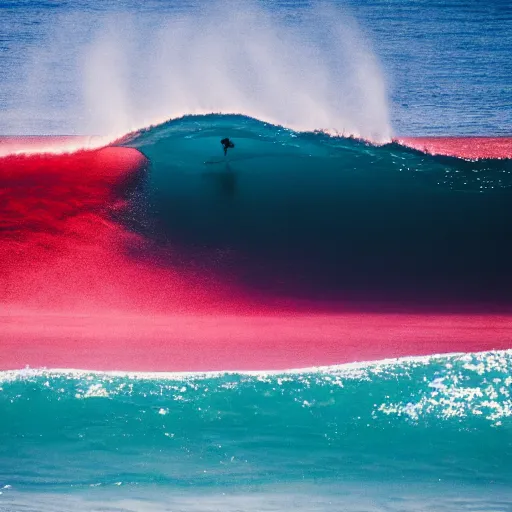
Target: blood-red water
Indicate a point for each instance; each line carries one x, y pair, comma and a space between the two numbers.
464, 147
73, 295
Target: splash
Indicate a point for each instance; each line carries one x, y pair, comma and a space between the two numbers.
39, 145
316, 71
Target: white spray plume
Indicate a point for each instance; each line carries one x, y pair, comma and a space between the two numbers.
307, 71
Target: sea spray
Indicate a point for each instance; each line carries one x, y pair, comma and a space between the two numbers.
123, 72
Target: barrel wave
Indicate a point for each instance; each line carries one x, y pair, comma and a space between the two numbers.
160, 241
312, 216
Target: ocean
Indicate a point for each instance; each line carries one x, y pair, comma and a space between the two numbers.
318, 320
422, 67
418, 434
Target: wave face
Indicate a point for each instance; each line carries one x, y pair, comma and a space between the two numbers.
387, 434
286, 225
313, 216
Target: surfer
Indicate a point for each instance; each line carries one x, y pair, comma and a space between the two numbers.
226, 143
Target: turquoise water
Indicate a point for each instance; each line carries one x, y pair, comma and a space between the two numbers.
388, 432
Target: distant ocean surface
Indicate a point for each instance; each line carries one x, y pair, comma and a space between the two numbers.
446, 64
318, 218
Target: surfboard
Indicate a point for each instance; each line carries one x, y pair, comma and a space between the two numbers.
207, 162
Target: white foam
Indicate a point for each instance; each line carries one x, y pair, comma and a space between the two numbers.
351, 496
51, 145
347, 369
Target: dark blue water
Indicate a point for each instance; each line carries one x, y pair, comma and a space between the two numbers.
310, 216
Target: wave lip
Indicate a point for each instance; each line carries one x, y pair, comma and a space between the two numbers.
472, 147
352, 370
51, 144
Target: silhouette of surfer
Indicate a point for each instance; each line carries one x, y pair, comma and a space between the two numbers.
226, 143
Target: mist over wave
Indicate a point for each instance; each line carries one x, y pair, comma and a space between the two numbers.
315, 71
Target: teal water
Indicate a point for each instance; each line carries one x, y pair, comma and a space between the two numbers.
388, 431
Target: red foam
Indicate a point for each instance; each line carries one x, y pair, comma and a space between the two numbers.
61, 251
